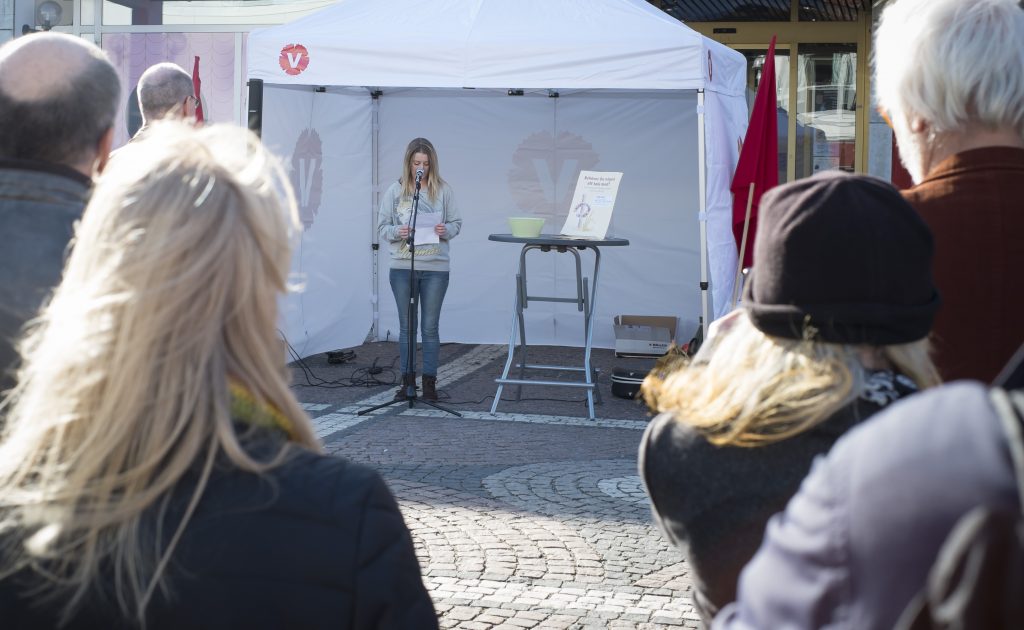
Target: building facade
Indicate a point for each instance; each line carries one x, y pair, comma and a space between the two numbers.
827, 119
826, 116
139, 33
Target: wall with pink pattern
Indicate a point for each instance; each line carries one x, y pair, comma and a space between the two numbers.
132, 53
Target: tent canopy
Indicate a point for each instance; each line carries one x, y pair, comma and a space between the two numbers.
568, 44
628, 79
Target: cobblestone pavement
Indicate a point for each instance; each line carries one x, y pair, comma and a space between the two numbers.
521, 519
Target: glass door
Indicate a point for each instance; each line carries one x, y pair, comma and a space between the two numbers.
826, 112
822, 81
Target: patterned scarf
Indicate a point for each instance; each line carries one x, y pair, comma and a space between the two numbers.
247, 408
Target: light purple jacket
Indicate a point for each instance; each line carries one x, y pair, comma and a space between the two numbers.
855, 544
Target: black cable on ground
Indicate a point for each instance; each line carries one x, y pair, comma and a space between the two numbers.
372, 376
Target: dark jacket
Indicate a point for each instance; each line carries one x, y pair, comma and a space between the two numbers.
856, 542
39, 204
974, 204
316, 543
713, 502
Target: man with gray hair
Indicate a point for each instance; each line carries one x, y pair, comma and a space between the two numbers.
58, 101
166, 91
950, 78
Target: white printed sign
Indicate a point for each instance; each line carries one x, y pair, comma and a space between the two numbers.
590, 212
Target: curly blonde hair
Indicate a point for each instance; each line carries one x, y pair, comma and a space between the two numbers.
746, 388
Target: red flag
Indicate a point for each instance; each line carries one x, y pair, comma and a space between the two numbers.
198, 93
759, 158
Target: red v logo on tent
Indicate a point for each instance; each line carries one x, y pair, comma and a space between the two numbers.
294, 59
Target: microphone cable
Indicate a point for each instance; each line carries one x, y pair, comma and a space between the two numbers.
362, 376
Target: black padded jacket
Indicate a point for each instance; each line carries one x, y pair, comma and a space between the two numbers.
318, 542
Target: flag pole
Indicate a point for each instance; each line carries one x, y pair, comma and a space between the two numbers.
196, 89
743, 249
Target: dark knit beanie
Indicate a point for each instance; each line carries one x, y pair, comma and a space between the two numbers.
845, 255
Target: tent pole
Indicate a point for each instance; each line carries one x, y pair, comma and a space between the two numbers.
374, 204
703, 214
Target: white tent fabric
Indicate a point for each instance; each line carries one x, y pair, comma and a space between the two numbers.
558, 44
325, 303
725, 119
627, 79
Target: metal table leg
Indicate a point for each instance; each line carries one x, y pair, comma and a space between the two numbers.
585, 300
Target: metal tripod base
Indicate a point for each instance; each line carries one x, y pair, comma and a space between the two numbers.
412, 399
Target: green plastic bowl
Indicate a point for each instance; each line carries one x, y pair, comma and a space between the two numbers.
525, 227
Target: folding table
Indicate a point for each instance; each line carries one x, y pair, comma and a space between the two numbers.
585, 299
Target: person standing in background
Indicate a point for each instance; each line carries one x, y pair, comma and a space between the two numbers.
432, 259
950, 79
166, 92
58, 101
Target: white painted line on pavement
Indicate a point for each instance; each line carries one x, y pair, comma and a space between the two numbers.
332, 422
575, 421
345, 417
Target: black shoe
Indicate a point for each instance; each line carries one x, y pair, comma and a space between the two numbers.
429, 387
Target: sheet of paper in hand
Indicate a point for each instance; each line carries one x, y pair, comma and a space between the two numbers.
425, 222
590, 212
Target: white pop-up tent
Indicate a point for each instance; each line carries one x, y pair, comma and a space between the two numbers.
517, 97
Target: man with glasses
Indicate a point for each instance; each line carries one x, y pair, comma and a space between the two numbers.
165, 91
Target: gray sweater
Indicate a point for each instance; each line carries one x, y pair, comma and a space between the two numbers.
395, 211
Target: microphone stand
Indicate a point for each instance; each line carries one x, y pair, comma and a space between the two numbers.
409, 377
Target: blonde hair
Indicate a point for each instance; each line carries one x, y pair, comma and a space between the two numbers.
432, 181
746, 388
171, 288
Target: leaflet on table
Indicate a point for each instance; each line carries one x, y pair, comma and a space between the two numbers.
425, 222
590, 212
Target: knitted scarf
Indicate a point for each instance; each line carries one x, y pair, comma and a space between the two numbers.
247, 408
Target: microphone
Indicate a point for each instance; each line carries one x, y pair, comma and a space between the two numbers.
419, 175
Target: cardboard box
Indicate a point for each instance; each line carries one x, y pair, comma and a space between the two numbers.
643, 335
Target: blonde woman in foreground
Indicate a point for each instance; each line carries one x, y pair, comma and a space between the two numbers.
155, 470
833, 329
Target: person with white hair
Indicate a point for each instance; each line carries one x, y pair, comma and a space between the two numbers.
166, 91
58, 101
156, 470
950, 79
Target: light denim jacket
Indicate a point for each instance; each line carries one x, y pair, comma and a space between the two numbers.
39, 205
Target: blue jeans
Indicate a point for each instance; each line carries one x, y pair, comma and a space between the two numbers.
431, 287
